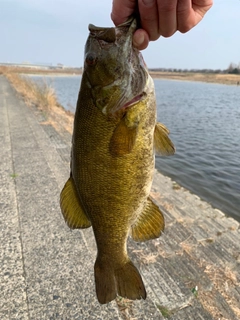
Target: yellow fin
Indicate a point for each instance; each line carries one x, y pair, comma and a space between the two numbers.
163, 127
129, 282
149, 224
162, 143
125, 281
123, 139
71, 207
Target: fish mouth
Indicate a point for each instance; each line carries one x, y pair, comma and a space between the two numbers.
123, 85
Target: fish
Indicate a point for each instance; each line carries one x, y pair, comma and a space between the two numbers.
115, 139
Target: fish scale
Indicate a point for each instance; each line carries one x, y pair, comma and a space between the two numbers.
112, 161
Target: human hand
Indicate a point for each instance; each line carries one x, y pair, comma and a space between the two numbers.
160, 17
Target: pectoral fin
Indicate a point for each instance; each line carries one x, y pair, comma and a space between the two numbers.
123, 139
162, 143
71, 207
149, 224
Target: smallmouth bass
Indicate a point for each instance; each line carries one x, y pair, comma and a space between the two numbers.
115, 137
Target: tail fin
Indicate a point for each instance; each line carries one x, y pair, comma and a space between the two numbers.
129, 282
124, 281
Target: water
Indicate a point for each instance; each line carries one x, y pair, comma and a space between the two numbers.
204, 120
66, 88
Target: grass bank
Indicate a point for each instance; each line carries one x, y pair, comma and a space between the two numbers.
44, 98
221, 78
43, 71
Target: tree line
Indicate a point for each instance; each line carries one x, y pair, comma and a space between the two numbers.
233, 68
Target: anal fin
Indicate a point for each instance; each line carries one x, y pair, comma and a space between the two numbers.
71, 207
150, 223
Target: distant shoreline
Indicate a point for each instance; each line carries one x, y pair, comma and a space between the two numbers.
220, 78
36, 74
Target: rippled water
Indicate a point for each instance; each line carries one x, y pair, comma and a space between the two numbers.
204, 120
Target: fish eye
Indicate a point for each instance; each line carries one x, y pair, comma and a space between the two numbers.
91, 59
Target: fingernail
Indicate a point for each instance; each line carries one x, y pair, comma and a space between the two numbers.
138, 39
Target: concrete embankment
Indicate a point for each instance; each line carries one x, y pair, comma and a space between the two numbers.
191, 272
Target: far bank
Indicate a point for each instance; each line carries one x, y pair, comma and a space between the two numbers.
221, 78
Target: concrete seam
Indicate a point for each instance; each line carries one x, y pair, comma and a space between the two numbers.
19, 220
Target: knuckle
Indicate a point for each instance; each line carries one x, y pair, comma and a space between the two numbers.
167, 7
184, 29
167, 33
154, 37
185, 26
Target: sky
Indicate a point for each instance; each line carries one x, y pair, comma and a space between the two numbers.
55, 31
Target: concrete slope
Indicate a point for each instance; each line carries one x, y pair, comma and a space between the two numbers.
191, 272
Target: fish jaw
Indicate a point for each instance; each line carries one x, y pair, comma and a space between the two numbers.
115, 70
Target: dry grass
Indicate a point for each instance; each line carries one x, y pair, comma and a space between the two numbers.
224, 280
125, 308
41, 95
145, 258
44, 98
202, 77
166, 205
30, 70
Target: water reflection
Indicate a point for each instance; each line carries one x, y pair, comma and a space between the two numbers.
204, 120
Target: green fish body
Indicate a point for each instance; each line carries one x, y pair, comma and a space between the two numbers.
112, 162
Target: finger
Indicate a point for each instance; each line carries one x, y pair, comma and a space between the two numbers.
122, 9
149, 17
140, 39
185, 15
190, 13
167, 12
200, 7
